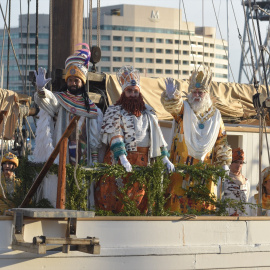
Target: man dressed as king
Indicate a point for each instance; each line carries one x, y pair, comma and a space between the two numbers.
198, 135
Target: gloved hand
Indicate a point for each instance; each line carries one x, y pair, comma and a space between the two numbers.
226, 168
170, 87
125, 163
169, 165
41, 80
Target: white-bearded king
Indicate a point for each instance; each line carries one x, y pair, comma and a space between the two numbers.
199, 134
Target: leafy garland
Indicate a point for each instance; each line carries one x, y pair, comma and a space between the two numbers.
154, 178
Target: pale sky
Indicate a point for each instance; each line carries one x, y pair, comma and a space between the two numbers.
194, 12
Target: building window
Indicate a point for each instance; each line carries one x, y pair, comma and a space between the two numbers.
105, 48
105, 69
117, 48
185, 62
185, 52
176, 62
185, 42
169, 41
139, 49
168, 51
128, 59
139, 39
220, 56
211, 45
221, 66
149, 60
150, 70
149, 40
177, 41
177, 72
94, 37
177, 52
128, 39
168, 61
159, 61
128, 49
206, 44
105, 58
138, 60
159, 51
185, 72
115, 69
219, 75
117, 59
149, 50
117, 38
141, 70
159, 40
168, 71
159, 71
103, 37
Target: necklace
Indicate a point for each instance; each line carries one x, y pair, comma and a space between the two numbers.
202, 118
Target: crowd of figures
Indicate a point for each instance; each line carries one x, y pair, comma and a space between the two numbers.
129, 134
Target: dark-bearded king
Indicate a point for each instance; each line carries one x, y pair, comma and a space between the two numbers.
130, 128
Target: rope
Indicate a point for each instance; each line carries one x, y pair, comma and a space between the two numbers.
3, 43
31, 131
90, 23
2, 140
12, 46
98, 23
8, 52
267, 145
77, 154
188, 31
203, 26
36, 58
222, 40
24, 85
50, 40
179, 38
27, 41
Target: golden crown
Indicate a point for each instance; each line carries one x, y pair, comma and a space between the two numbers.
127, 75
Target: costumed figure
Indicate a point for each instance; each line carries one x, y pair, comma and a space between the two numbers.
198, 135
236, 187
9, 182
265, 195
131, 129
57, 110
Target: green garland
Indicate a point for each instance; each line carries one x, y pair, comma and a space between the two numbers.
153, 178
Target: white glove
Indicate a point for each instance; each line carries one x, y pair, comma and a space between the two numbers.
170, 87
169, 165
226, 168
125, 163
41, 80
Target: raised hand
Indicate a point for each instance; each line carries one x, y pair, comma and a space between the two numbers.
169, 165
41, 80
125, 163
170, 87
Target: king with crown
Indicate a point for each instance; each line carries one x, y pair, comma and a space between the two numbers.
199, 134
130, 129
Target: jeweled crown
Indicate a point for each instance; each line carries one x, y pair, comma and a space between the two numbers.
127, 75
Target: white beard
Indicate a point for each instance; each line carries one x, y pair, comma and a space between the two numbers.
200, 106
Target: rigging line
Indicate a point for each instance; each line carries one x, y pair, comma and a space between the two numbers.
251, 54
36, 57
222, 40
3, 44
12, 44
266, 138
27, 42
90, 23
24, 86
50, 40
98, 23
264, 11
203, 26
179, 38
8, 52
240, 37
228, 38
188, 33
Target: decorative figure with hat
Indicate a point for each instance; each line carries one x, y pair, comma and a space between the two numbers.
198, 134
9, 182
71, 100
236, 187
130, 128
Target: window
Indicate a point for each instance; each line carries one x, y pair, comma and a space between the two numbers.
177, 41
105, 69
149, 50
128, 59
139, 49
159, 61
128, 39
94, 37
139, 39
185, 62
150, 70
159, 40
206, 44
220, 56
169, 41
159, 71
117, 48
117, 38
200, 43
115, 69
177, 72
185, 72
128, 49
185, 52
105, 58
218, 75
176, 62
168, 71
138, 60
168, 51
141, 70
149, 40
211, 45
185, 42
168, 61
105, 48
103, 37
159, 51
221, 66
177, 52
117, 59
149, 60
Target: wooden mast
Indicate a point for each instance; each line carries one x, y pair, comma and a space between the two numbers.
67, 30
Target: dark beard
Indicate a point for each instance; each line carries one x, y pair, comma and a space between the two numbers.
132, 105
74, 90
